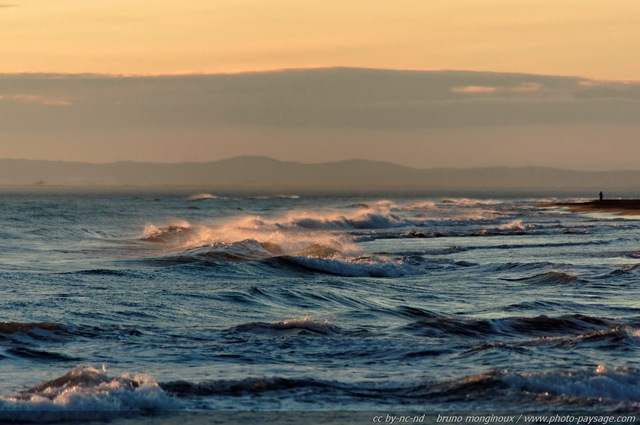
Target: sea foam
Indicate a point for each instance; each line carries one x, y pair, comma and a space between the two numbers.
87, 389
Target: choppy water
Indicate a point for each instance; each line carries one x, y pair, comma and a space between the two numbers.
151, 302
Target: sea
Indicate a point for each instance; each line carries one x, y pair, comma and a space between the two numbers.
183, 306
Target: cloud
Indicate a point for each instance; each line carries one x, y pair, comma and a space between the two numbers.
334, 98
38, 99
474, 89
524, 87
527, 88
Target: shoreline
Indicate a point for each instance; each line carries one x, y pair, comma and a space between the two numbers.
618, 206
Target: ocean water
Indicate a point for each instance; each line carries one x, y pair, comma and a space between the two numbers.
152, 303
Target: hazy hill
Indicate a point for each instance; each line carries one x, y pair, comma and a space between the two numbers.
248, 172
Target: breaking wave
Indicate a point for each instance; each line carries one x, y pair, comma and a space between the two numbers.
586, 387
515, 227
298, 224
312, 259
86, 389
187, 236
247, 250
201, 196
356, 267
473, 202
306, 325
599, 387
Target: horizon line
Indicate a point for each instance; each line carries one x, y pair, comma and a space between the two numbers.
373, 161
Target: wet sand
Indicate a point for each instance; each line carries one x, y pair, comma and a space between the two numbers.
619, 206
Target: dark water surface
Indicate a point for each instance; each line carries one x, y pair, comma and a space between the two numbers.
152, 302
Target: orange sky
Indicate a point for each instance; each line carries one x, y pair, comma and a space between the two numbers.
589, 38
421, 119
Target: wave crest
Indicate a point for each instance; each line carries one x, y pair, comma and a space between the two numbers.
356, 267
201, 196
543, 326
31, 329
307, 325
552, 277
86, 389
597, 387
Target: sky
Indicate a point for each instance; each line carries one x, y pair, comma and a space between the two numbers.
543, 82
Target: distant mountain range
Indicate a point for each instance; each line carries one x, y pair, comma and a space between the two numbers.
251, 172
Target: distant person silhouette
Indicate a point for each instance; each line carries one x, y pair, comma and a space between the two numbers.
601, 196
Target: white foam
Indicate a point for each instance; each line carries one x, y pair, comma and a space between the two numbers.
85, 389
513, 225
200, 196
176, 224
358, 267
378, 216
616, 384
292, 232
423, 205
468, 201
308, 322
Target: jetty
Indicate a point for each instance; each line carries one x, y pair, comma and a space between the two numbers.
619, 206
